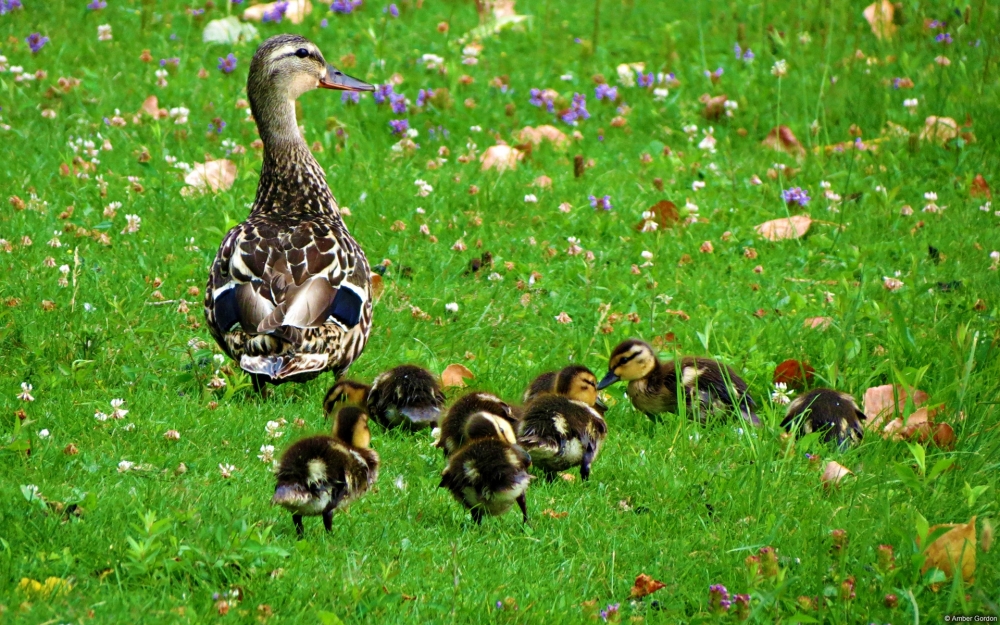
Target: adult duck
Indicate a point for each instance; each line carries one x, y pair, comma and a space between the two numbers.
289, 293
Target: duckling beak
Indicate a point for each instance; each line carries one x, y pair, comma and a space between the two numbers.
336, 79
608, 380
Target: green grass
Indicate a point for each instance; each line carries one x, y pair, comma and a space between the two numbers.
153, 545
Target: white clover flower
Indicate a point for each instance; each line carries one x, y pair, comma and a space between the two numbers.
273, 429
226, 470
423, 189
780, 68
647, 254
266, 454
451, 307
25, 394
697, 185
104, 32
132, 224
781, 394
43, 433
530, 198
125, 465
118, 413
660, 94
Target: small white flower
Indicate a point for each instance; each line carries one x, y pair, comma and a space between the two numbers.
697, 185
43, 434
132, 223
399, 482
64, 270
216, 382
266, 454
823, 184
125, 465
647, 254
161, 78
567, 77
930, 196
475, 129
423, 189
33, 491
780, 68
100, 416
987, 207
172, 435
412, 133
995, 255
660, 94
911, 105
226, 470
129, 427
494, 277
691, 130
104, 32
892, 284
451, 307
530, 198
87, 306
218, 358
565, 207
118, 413
666, 299
691, 208
25, 394
781, 394
273, 429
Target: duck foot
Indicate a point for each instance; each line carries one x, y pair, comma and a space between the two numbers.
259, 385
328, 518
522, 502
299, 530
477, 515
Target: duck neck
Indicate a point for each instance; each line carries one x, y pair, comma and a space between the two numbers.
291, 180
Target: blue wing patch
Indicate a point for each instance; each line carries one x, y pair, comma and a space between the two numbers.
226, 312
346, 307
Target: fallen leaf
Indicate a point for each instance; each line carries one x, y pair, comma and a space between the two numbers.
785, 228
378, 285
296, 11
546, 132
880, 15
500, 157
980, 188
817, 323
944, 436
454, 375
881, 403
918, 421
833, 473
664, 214
714, 106
549, 512
151, 106
939, 130
794, 374
214, 176
228, 31
986, 536
783, 139
954, 549
542, 182
645, 585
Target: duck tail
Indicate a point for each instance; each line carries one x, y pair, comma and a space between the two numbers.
286, 366
289, 495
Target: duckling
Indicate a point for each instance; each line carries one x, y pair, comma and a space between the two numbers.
824, 409
575, 382
453, 424
709, 386
289, 293
406, 395
320, 474
489, 473
559, 433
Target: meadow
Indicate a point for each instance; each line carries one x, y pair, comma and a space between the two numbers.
161, 514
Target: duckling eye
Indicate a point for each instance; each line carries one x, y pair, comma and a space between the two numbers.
302, 53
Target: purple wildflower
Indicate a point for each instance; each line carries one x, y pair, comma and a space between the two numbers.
196, 12
383, 93
97, 5
423, 95
737, 50
795, 195
399, 126
603, 203
236, 1
742, 606
323, 23
605, 92
173, 61
610, 611
666, 78
714, 76
392, 10
540, 98
227, 64
499, 605
276, 14
217, 126
344, 7
936, 24
36, 41
718, 599
645, 80
944, 38
350, 97
748, 56
398, 103
577, 111
6, 6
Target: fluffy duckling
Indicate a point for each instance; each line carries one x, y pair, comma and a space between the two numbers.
559, 433
320, 474
406, 395
490, 472
709, 386
453, 425
824, 409
575, 382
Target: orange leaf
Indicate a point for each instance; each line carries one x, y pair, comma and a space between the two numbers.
645, 585
939, 130
794, 374
833, 472
954, 549
378, 285
783, 139
785, 228
664, 213
714, 107
818, 323
944, 436
545, 132
881, 404
150, 106
455, 374
879, 15
500, 157
215, 176
980, 188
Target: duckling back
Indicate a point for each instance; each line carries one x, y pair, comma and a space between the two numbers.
559, 433
487, 476
829, 411
544, 383
453, 424
406, 395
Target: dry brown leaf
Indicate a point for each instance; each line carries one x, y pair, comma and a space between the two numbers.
542, 182
151, 106
818, 323
500, 157
944, 436
378, 285
880, 15
881, 404
794, 374
986, 536
535, 136
980, 188
833, 473
214, 176
296, 12
956, 548
645, 585
939, 130
783, 139
918, 424
665, 214
454, 375
714, 106
785, 228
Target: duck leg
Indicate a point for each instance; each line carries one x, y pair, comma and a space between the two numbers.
585, 462
259, 384
522, 502
477, 515
328, 517
299, 530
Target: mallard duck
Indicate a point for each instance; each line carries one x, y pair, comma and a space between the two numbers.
406, 395
489, 473
452, 434
709, 386
576, 382
320, 474
289, 293
559, 433
829, 411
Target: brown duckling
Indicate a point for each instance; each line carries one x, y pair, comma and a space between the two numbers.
575, 382
559, 433
829, 411
709, 386
320, 474
490, 472
453, 424
406, 395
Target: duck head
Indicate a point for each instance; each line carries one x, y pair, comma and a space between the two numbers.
348, 393
578, 383
351, 427
631, 360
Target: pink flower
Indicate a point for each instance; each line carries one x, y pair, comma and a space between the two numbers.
563, 318
892, 284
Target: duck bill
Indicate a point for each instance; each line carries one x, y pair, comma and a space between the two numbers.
338, 80
608, 380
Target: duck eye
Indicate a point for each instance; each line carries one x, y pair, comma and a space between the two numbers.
302, 53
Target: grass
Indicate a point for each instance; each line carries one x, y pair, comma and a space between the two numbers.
683, 503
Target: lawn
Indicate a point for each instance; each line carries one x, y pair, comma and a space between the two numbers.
162, 515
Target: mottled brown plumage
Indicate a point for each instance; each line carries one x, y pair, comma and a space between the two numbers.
828, 411
452, 435
407, 396
576, 382
289, 292
559, 433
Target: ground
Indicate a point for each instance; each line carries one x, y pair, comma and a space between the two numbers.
891, 284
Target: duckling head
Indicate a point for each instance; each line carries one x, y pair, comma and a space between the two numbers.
348, 393
578, 383
631, 360
351, 427
486, 425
